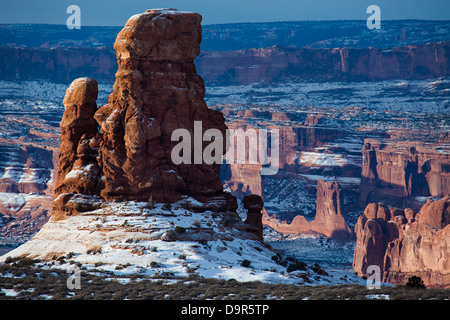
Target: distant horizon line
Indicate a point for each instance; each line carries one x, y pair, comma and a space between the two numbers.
230, 23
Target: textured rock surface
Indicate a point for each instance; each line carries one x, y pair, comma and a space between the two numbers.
157, 91
328, 221
254, 205
403, 170
268, 64
341, 64
404, 244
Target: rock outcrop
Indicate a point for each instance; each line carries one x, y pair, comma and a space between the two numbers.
254, 205
404, 243
122, 150
398, 171
268, 64
339, 64
328, 221
119, 198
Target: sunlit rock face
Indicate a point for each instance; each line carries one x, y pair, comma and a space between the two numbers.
123, 150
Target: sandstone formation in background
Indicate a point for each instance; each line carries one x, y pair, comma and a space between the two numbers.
397, 170
404, 243
329, 220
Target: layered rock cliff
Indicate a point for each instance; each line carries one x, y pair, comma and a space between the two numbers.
396, 171
403, 243
266, 65
342, 64
329, 220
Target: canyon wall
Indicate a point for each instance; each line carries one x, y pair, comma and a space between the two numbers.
341, 64
243, 66
397, 171
60, 65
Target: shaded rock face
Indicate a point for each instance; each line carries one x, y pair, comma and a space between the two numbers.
122, 150
341, 64
254, 205
402, 171
328, 221
403, 243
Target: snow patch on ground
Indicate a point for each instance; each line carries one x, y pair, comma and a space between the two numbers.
428, 95
127, 238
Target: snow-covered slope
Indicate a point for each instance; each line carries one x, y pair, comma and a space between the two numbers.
130, 237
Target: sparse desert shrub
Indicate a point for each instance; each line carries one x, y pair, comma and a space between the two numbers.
179, 229
245, 263
122, 266
94, 250
169, 235
154, 264
415, 282
318, 269
296, 265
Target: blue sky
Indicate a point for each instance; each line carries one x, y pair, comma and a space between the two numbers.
116, 12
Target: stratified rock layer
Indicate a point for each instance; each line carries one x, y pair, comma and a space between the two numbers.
400, 170
328, 221
157, 91
404, 244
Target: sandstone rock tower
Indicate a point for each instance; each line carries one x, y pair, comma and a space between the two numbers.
329, 219
122, 150
254, 205
403, 243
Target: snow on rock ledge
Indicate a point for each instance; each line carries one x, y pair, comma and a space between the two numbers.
131, 237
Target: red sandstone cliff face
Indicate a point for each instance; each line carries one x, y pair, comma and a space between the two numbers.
344, 64
328, 221
243, 66
404, 244
57, 65
157, 91
403, 170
